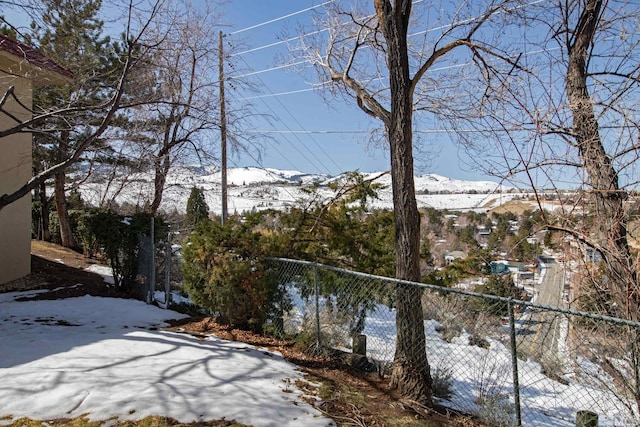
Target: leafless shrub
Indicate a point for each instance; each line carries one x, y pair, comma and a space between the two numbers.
491, 377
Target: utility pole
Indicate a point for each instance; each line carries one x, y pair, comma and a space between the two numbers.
223, 131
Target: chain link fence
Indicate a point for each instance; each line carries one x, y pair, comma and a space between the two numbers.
507, 361
156, 267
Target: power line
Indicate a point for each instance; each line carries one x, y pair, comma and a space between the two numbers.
293, 64
290, 39
470, 20
360, 131
296, 120
426, 131
291, 92
289, 131
305, 132
293, 145
281, 18
277, 67
272, 147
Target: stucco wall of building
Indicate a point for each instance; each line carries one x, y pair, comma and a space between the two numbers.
15, 170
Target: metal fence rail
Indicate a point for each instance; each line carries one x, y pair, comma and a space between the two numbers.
507, 361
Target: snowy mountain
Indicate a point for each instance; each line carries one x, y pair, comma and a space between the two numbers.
255, 188
433, 183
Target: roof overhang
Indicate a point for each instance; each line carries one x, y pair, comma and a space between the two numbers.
21, 60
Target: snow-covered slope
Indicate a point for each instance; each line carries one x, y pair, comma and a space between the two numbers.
433, 183
255, 188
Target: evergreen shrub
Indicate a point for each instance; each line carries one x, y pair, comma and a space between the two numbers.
118, 238
226, 272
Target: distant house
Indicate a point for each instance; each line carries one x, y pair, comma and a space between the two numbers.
483, 237
499, 268
522, 274
452, 256
21, 69
592, 256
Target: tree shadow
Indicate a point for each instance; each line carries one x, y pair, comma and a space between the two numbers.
92, 358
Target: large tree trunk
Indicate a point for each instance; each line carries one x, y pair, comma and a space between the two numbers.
66, 234
161, 166
59, 178
611, 228
411, 374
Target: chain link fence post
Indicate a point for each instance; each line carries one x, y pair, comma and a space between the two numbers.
152, 266
167, 274
514, 362
317, 298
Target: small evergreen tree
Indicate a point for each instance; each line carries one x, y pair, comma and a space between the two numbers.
498, 285
118, 237
70, 33
226, 272
197, 208
343, 232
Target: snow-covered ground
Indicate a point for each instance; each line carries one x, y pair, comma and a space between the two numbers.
476, 370
107, 357
481, 379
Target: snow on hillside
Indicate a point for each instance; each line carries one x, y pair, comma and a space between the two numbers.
253, 175
433, 183
255, 188
475, 373
545, 402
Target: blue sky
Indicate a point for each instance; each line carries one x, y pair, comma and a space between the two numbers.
305, 111
306, 132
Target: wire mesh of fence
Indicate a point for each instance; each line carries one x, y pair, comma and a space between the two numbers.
146, 271
505, 360
155, 267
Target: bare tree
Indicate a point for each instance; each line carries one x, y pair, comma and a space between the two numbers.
610, 233
567, 118
173, 114
175, 120
363, 54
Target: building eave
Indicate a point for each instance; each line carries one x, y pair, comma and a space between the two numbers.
19, 59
